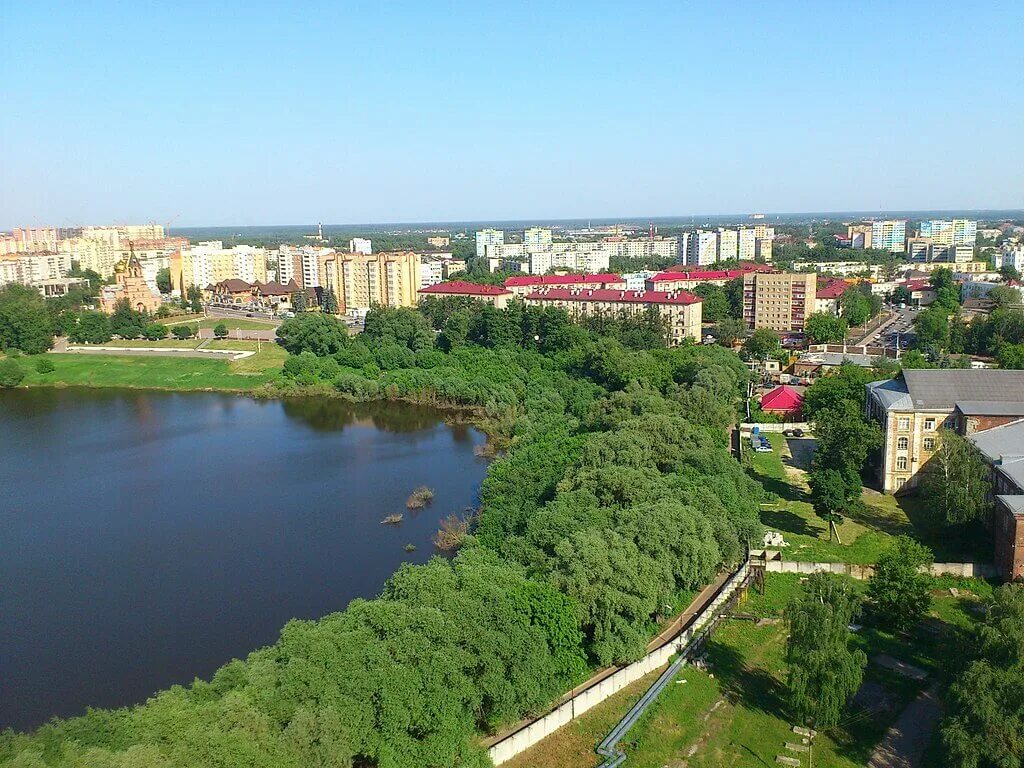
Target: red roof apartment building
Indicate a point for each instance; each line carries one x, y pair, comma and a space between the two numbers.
682, 310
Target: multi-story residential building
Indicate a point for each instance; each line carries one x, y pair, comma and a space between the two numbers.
485, 238
781, 302
703, 248
950, 231
763, 250
764, 232
746, 244
1010, 256
98, 255
207, 263
889, 235
360, 281
431, 273
581, 257
681, 310
492, 294
859, 235
28, 268
121, 234
912, 409
918, 248
360, 245
537, 238
34, 239
587, 256
676, 278
521, 286
727, 244
637, 281
828, 294
289, 265
1003, 449
453, 267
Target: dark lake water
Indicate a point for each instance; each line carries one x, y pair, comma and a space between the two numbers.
148, 538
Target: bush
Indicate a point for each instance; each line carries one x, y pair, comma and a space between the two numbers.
45, 365
185, 331
155, 331
898, 596
220, 331
11, 374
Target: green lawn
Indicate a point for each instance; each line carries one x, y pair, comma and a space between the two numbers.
866, 532
170, 343
239, 323
739, 717
182, 373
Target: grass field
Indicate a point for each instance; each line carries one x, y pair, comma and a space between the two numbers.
864, 533
182, 373
163, 343
239, 323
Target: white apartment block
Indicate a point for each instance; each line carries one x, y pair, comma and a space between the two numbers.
28, 268
764, 232
537, 238
360, 245
889, 235
703, 248
747, 244
431, 273
1011, 256
727, 244
485, 239
950, 231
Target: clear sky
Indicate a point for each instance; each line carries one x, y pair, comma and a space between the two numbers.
278, 112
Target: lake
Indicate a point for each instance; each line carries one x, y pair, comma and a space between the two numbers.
147, 538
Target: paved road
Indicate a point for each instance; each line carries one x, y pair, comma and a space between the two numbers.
904, 744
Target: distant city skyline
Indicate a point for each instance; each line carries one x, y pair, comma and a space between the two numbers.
502, 112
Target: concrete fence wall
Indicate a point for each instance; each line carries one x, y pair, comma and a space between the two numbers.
961, 570
530, 734
747, 427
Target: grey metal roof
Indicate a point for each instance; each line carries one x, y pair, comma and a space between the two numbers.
891, 394
941, 389
836, 358
990, 408
1004, 448
1013, 503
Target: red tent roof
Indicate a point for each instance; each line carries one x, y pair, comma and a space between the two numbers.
613, 295
833, 289
462, 288
782, 398
575, 279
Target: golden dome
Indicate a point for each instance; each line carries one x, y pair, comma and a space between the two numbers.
121, 266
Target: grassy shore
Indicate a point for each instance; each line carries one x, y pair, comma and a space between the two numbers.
157, 372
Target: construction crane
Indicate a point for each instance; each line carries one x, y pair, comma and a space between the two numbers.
167, 226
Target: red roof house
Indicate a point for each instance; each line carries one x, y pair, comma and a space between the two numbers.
783, 401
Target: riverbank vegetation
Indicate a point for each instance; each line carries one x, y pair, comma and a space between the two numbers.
615, 497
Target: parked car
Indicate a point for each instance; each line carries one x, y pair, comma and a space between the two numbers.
798, 432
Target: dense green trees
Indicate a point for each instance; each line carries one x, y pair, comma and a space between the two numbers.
616, 495
728, 331
163, 280
11, 374
956, 481
898, 595
824, 672
90, 328
25, 323
825, 328
984, 725
716, 304
762, 344
220, 331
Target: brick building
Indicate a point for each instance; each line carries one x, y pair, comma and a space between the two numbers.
1003, 449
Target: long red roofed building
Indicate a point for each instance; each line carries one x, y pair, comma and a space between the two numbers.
681, 310
680, 277
493, 294
524, 284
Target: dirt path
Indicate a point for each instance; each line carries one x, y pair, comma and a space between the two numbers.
905, 742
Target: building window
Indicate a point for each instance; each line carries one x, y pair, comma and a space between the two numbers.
902, 444
929, 424
900, 482
903, 424
901, 462
929, 443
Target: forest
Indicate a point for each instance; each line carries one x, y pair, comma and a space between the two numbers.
614, 496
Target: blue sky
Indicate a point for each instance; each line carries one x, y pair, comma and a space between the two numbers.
275, 113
